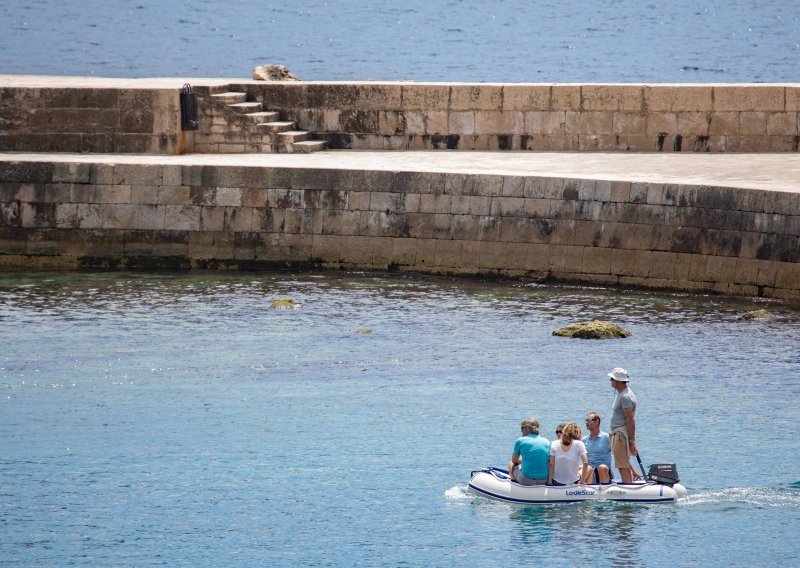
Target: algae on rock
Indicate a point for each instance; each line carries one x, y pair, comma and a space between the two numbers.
596, 329
758, 315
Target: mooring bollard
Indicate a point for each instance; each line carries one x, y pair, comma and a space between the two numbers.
188, 108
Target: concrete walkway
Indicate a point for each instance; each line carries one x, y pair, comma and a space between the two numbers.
70, 82
775, 172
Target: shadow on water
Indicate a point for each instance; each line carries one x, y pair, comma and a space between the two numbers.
588, 532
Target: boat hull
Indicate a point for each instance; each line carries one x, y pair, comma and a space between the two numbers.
495, 484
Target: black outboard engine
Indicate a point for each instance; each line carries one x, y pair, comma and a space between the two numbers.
664, 473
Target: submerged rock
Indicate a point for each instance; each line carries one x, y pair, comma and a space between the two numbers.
596, 329
273, 73
283, 304
758, 315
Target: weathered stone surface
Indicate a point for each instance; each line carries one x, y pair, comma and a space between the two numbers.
426, 97
475, 218
372, 115
596, 329
677, 98
752, 98
526, 97
589, 122
565, 97
27, 172
72, 173
476, 97
273, 72
611, 97
375, 96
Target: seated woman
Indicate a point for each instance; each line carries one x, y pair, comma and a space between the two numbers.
568, 459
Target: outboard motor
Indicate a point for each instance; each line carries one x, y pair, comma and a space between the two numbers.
664, 473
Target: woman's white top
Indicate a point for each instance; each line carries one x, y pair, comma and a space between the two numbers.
566, 464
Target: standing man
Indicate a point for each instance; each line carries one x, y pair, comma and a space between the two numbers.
623, 424
531, 457
598, 446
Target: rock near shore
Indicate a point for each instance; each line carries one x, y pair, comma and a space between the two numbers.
757, 315
273, 73
596, 329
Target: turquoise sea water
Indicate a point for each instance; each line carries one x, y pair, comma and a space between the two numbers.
175, 420
518, 41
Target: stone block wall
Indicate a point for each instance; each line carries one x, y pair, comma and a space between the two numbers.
103, 120
688, 237
541, 117
414, 116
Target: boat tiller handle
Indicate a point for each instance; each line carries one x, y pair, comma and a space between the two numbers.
641, 467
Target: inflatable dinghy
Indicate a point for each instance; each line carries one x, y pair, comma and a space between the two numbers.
661, 487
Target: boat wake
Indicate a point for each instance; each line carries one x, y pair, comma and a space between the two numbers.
761, 497
459, 492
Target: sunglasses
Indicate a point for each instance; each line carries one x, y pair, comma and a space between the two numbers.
591, 419
558, 432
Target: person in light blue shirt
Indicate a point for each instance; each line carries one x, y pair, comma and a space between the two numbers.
529, 462
598, 447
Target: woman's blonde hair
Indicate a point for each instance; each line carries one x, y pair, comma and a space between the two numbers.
570, 432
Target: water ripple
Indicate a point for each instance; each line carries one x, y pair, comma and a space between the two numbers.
221, 427
738, 41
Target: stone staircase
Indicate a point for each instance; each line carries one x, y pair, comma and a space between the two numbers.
246, 126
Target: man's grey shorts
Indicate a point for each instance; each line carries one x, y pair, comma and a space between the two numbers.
528, 481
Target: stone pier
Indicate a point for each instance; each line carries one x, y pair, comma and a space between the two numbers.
689, 187
722, 223
74, 114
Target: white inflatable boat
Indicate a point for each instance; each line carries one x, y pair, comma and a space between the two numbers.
495, 483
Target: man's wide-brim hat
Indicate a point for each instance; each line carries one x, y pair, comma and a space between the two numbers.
619, 374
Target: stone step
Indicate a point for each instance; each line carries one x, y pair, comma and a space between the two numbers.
262, 117
229, 98
276, 126
308, 146
292, 136
245, 108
